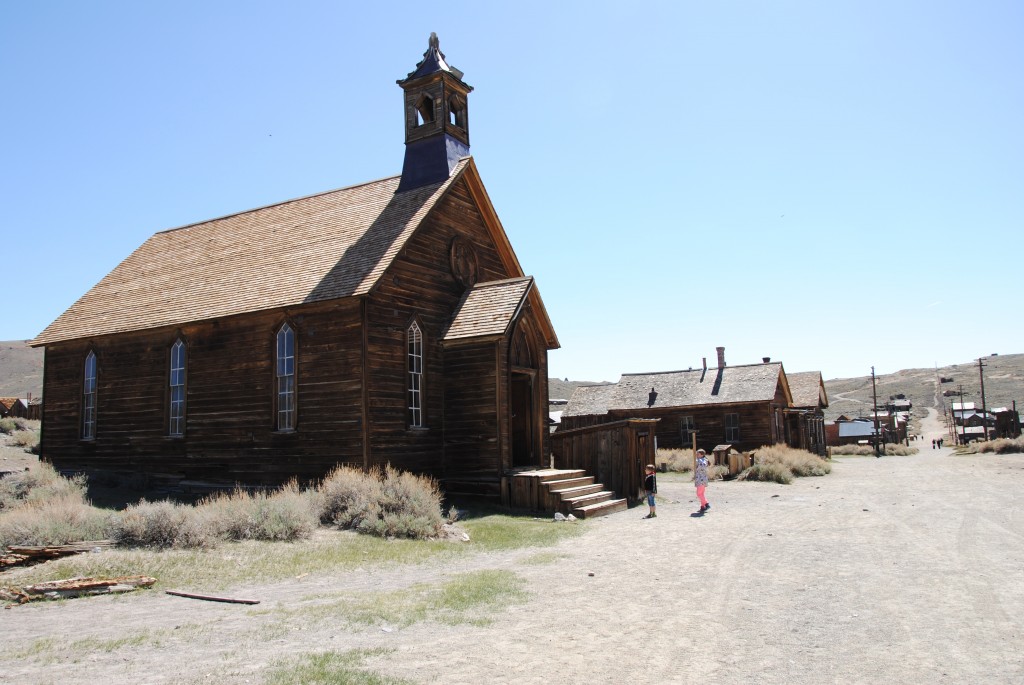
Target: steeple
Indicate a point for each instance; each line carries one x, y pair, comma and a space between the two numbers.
436, 119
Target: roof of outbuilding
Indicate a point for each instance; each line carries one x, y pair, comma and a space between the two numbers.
488, 309
695, 387
588, 400
331, 245
807, 388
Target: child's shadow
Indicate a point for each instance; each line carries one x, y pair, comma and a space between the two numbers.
697, 515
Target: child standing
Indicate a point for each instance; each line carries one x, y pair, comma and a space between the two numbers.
700, 479
651, 488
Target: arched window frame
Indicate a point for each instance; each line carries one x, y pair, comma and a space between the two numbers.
414, 346
285, 378
90, 376
176, 376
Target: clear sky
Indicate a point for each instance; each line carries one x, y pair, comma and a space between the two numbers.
837, 185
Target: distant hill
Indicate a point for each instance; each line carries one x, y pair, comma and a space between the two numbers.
1004, 383
21, 369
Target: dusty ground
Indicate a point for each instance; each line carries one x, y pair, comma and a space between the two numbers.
899, 569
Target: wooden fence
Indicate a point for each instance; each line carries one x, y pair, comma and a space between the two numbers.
613, 453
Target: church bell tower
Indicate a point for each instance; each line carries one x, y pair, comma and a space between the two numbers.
436, 119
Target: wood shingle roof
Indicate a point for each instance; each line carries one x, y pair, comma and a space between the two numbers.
807, 388
331, 245
695, 387
488, 309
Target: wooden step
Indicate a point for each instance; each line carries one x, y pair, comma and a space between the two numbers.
578, 491
585, 500
553, 485
600, 509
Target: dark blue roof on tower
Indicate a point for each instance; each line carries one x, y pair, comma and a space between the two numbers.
433, 61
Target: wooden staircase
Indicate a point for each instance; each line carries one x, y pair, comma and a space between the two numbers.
569, 491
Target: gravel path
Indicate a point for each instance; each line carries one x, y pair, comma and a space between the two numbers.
899, 569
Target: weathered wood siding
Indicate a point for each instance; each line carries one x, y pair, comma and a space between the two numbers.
229, 428
755, 424
613, 453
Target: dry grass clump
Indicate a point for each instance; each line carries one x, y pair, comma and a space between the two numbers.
890, 449
780, 464
8, 425
59, 520
774, 473
26, 439
288, 513
39, 483
386, 503
997, 446
674, 459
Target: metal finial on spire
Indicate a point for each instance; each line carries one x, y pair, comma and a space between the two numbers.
434, 42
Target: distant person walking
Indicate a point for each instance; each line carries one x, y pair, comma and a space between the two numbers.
700, 479
934, 442
651, 488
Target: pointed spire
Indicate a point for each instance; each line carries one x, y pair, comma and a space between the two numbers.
433, 61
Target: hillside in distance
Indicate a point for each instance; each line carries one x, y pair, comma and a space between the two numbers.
1003, 376
21, 369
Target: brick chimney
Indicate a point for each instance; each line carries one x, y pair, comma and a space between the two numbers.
766, 360
721, 357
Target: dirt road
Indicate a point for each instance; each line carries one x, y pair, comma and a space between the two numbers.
899, 569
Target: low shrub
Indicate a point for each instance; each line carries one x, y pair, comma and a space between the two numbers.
160, 524
799, 463
350, 496
997, 446
39, 483
890, 449
8, 425
387, 503
772, 472
674, 459
27, 439
285, 514
717, 471
58, 520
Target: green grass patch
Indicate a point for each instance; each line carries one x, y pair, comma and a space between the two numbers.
469, 598
333, 668
254, 561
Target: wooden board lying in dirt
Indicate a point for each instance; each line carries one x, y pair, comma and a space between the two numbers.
24, 555
74, 587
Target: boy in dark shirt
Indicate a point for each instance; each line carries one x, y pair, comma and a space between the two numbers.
651, 488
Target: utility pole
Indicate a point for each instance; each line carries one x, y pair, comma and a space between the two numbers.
984, 411
963, 418
874, 401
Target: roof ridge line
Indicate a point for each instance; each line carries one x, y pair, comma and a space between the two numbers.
278, 204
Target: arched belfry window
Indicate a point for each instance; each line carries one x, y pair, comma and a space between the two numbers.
176, 386
414, 345
89, 397
285, 375
457, 111
424, 110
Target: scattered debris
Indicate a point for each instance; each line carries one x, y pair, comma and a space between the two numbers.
212, 598
74, 587
20, 554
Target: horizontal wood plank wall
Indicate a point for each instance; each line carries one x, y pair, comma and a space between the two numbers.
229, 431
755, 419
420, 286
471, 401
613, 453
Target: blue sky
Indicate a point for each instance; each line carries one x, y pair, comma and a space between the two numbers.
836, 185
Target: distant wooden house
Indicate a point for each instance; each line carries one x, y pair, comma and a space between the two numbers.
387, 322
805, 419
14, 407
743, 406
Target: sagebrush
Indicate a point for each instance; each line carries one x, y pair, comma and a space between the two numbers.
997, 446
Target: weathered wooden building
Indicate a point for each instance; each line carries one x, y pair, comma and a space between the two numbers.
388, 322
805, 419
14, 407
743, 406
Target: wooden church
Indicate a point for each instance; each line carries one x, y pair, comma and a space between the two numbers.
388, 322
